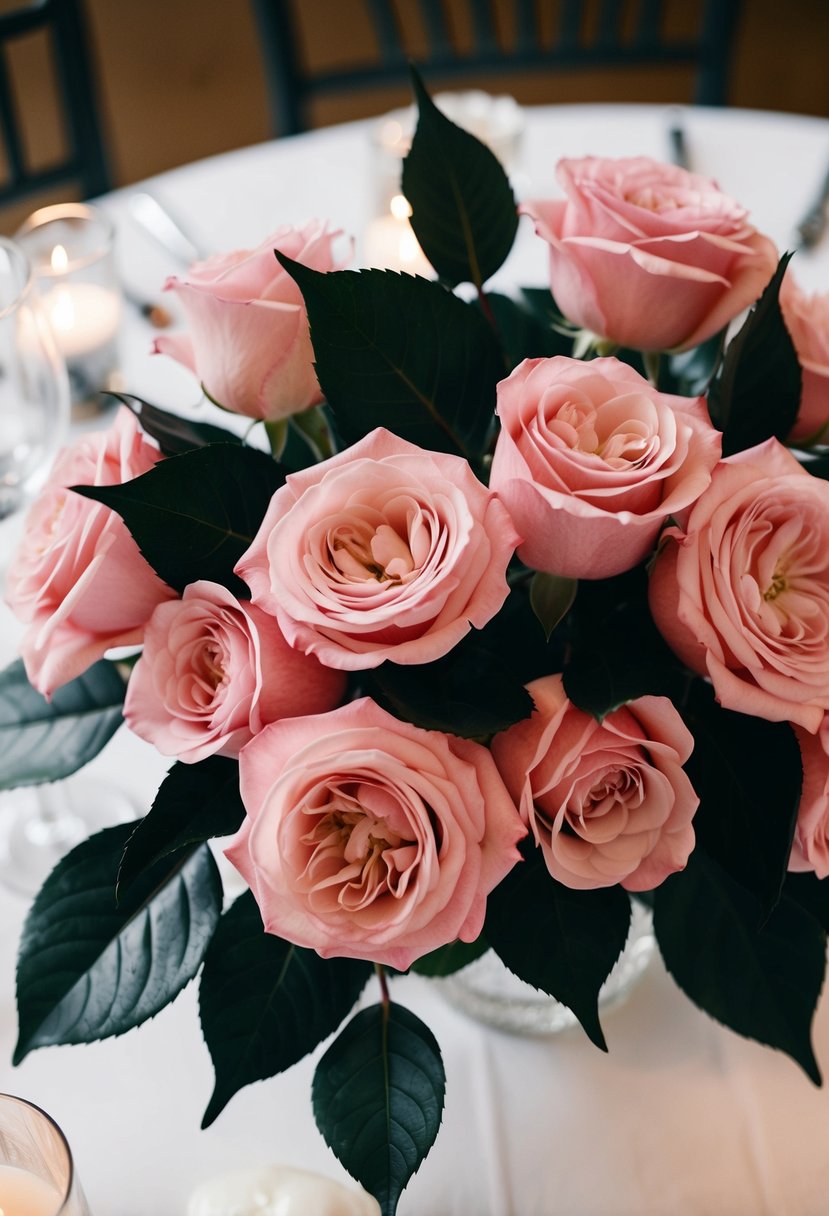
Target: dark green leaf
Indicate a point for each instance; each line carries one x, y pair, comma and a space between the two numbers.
812, 894
617, 653
471, 692
517, 631
173, 434
265, 1003
463, 210
762, 982
562, 941
748, 807
378, 1099
525, 331
195, 803
194, 515
446, 960
44, 740
757, 392
89, 968
551, 597
403, 353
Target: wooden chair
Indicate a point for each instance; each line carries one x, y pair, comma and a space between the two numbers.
82, 161
625, 34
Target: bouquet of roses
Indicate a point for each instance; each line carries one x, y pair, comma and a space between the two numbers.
524, 612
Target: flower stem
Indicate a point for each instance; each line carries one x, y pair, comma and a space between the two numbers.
652, 359
384, 983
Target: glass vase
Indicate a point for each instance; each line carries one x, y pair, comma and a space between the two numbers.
487, 991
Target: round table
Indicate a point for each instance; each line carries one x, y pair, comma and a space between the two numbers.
681, 1115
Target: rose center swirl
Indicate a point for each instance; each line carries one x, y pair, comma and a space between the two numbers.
365, 545
785, 577
621, 441
355, 854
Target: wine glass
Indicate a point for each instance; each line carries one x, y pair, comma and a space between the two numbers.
37, 1173
34, 386
38, 824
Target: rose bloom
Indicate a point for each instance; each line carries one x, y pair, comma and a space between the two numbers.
807, 320
78, 578
385, 551
214, 671
741, 591
591, 460
810, 850
648, 255
367, 837
248, 340
608, 802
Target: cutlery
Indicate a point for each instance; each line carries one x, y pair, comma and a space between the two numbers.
812, 225
157, 315
156, 220
677, 142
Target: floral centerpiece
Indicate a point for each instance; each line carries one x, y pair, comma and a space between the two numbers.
525, 612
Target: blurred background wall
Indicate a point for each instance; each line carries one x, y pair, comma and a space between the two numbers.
182, 79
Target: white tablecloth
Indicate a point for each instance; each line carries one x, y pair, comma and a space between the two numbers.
681, 1115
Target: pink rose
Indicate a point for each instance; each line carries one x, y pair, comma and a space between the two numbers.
810, 850
214, 671
78, 578
386, 551
807, 320
248, 339
591, 460
649, 255
608, 802
741, 591
366, 837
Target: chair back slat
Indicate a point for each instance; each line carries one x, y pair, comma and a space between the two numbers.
625, 33
609, 34
84, 161
526, 28
569, 27
647, 36
441, 47
9, 123
388, 35
483, 25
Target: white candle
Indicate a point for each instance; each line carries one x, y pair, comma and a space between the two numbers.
22, 1194
83, 317
278, 1190
391, 244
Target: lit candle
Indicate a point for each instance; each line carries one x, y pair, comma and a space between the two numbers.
22, 1194
84, 316
71, 247
391, 244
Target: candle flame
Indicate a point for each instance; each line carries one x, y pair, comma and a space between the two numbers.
59, 261
399, 207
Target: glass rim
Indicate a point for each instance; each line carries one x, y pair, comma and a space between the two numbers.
16, 251
55, 212
70, 1178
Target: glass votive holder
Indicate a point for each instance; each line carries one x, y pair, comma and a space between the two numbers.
37, 1173
71, 248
